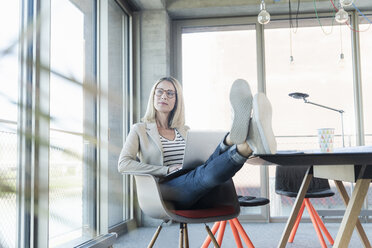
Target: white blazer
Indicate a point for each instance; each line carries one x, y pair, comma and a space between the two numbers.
143, 141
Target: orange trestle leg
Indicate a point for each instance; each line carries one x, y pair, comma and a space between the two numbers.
207, 240
294, 229
221, 232
241, 231
315, 224
321, 224
316, 220
236, 235
236, 228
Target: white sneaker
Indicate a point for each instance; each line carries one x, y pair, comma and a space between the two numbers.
261, 137
241, 103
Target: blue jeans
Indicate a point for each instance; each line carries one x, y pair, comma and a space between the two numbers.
184, 191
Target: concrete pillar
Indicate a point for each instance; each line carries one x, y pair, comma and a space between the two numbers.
155, 51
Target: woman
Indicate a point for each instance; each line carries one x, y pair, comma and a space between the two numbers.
159, 141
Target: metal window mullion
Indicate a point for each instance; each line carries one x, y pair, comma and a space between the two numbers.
130, 119
261, 86
357, 79
24, 127
261, 69
33, 133
136, 94
126, 105
41, 93
102, 117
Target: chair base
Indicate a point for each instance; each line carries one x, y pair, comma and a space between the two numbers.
317, 223
184, 237
236, 229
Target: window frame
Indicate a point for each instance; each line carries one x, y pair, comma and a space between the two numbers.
33, 155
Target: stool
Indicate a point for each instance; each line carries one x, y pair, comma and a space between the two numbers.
236, 227
288, 180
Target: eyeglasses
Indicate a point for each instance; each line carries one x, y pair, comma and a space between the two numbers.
170, 93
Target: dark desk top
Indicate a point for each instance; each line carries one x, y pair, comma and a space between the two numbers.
308, 159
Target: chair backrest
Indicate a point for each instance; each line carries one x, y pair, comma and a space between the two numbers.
288, 180
149, 197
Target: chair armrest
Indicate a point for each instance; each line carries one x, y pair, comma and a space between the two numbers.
149, 196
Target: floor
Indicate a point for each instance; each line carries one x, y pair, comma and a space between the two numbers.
265, 235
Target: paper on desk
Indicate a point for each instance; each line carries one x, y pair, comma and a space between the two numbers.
353, 149
290, 152
350, 149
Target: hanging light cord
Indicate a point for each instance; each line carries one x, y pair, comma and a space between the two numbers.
290, 47
348, 24
290, 15
342, 49
317, 17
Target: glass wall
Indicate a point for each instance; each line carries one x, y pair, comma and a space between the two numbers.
212, 58
365, 35
314, 56
318, 70
320, 67
118, 109
211, 61
55, 180
9, 71
71, 105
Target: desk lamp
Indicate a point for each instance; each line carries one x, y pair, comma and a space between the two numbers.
304, 96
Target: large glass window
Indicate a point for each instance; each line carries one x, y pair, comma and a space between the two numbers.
365, 35
212, 58
211, 61
118, 109
322, 68
9, 71
365, 60
72, 166
67, 115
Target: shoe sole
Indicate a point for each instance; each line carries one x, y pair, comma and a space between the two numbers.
241, 102
264, 140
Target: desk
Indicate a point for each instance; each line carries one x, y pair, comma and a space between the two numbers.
339, 166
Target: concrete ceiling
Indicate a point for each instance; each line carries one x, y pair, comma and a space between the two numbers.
180, 9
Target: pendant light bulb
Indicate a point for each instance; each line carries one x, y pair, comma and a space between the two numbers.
264, 16
341, 16
346, 2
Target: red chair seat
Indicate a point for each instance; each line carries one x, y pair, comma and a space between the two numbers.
205, 213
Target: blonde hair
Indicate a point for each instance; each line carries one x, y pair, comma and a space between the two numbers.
177, 115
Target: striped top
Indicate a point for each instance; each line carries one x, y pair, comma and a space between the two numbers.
174, 150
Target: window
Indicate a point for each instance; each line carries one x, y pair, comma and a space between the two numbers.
212, 59
72, 107
365, 60
51, 121
317, 70
321, 66
9, 71
365, 57
118, 110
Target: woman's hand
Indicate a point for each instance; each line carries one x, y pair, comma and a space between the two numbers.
174, 167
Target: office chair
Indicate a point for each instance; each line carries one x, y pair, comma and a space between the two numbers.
218, 205
236, 227
288, 181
